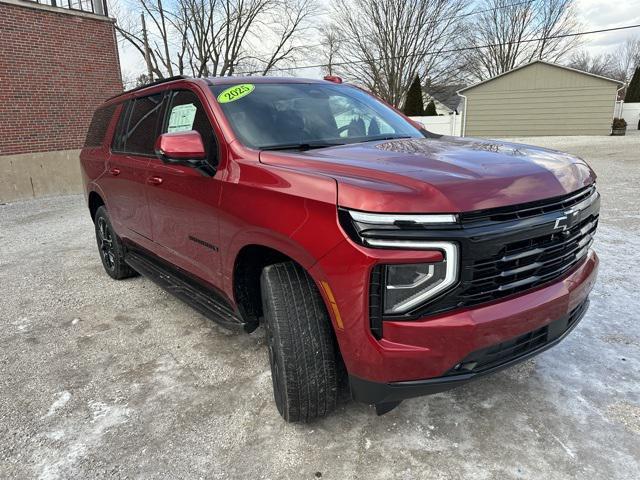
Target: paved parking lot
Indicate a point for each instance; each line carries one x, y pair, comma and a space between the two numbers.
105, 379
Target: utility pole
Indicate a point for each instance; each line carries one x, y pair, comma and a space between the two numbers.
146, 48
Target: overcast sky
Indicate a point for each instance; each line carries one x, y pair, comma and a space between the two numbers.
597, 14
594, 14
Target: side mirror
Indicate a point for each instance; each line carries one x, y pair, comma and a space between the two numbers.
184, 148
180, 147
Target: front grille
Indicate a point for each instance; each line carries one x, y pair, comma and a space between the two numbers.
530, 209
527, 263
503, 251
503, 258
492, 357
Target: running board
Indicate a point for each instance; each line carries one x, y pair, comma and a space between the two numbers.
206, 301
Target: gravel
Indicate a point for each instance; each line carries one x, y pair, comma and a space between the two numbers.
106, 379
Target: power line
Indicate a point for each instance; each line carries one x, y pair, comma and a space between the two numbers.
451, 17
440, 20
451, 50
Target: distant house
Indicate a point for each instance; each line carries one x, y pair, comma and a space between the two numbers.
540, 98
445, 97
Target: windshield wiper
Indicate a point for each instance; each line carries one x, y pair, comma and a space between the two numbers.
386, 137
300, 146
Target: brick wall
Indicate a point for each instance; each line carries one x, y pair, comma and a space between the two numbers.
55, 68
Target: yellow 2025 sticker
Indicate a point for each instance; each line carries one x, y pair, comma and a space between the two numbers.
236, 92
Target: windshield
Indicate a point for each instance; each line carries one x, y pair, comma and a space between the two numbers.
302, 116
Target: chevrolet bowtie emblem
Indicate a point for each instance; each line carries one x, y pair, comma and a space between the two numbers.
566, 221
561, 223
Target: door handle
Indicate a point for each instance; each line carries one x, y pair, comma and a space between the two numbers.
114, 171
154, 180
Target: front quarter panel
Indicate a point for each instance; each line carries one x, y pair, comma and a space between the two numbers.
291, 212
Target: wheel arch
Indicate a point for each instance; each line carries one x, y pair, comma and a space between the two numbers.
95, 201
247, 268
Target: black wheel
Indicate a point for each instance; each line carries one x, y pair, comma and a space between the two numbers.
110, 247
302, 352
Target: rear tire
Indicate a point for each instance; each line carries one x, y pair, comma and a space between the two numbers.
110, 247
302, 350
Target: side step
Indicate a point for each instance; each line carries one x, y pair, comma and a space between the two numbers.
206, 301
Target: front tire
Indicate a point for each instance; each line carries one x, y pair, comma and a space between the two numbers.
302, 350
110, 247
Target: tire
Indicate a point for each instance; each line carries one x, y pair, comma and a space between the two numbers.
110, 247
302, 350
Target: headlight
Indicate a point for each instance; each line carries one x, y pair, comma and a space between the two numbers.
408, 285
407, 219
403, 287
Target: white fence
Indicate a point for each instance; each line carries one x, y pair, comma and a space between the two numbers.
452, 124
442, 124
631, 113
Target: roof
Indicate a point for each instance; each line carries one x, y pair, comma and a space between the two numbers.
617, 82
215, 81
447, 95
260, 79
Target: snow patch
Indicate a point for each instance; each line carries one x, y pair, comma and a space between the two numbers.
88, 437
55, 435
61, 401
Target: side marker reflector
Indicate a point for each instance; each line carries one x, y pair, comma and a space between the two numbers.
334, 305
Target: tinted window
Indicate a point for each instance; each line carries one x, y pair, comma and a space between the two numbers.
281, 115
187, 113
118, 138
140, 135
98, 126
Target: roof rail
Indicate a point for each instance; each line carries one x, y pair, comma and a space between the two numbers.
156, 82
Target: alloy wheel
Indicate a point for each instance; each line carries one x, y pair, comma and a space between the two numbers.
105, 243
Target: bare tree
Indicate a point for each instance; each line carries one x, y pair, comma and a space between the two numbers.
216, 37
506, 34
155, 10
130, 30
129, 80
619, 63
142, 79
387, 42
603, 64
628, 58
289, 18
330, 44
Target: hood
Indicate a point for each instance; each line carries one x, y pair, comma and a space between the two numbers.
445, 174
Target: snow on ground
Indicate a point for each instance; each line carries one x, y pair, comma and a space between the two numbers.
121, 380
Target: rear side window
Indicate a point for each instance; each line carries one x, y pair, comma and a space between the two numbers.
118, 138
98, 126
140, 133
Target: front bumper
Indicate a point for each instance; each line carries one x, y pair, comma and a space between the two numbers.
428, 348
515, 351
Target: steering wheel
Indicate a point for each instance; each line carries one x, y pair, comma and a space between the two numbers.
342, 129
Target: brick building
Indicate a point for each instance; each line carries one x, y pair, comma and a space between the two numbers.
56, 65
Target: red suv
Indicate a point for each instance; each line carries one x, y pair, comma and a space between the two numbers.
362, 242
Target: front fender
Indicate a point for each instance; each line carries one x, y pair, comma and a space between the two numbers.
292, 212
305, 255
